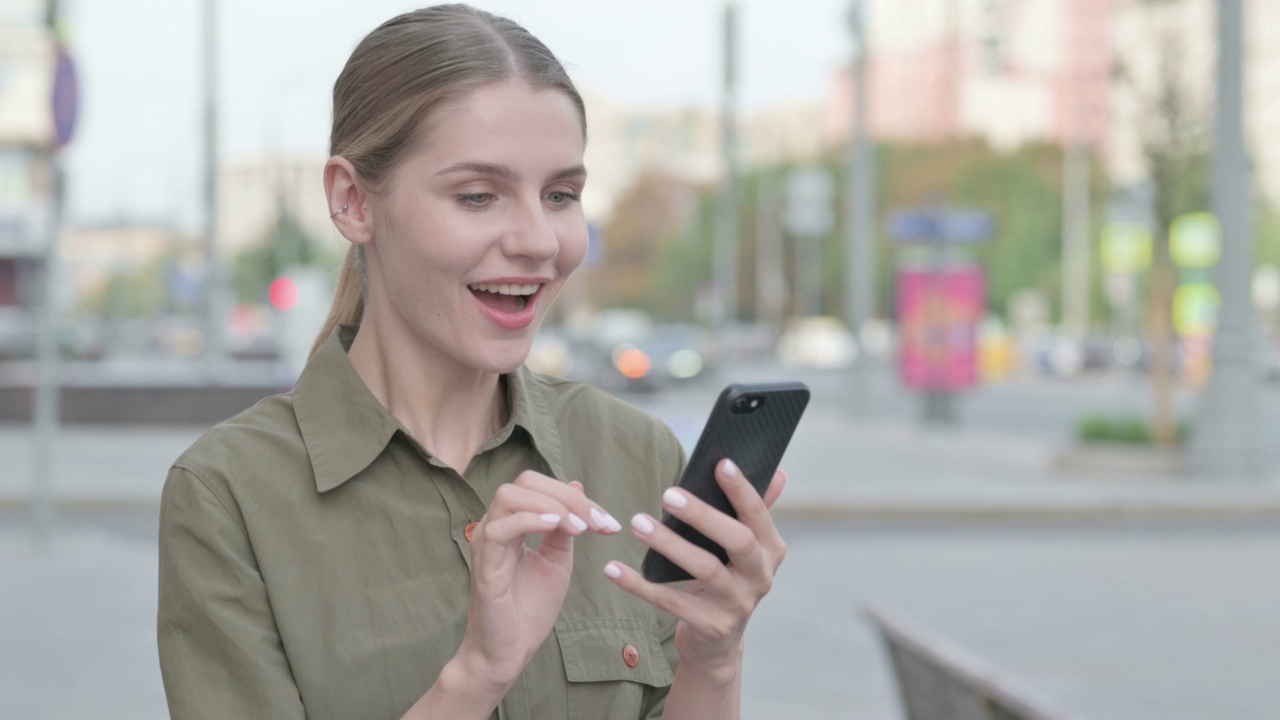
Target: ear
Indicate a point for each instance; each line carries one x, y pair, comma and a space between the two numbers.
342, 188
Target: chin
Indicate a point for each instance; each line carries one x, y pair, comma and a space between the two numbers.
505, 357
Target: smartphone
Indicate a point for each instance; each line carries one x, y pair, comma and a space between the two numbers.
750, 424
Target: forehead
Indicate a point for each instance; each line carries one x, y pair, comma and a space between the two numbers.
504, 118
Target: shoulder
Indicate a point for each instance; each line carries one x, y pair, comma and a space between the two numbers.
593, 422
591, 409
263, 438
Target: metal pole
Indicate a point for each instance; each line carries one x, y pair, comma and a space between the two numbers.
770, 285
1227, 437
47, 391
725, 250
1075, 240
214, 350
859, 192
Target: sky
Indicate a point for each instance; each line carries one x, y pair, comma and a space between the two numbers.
137, 151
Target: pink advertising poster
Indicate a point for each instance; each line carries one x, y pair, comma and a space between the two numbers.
938, 316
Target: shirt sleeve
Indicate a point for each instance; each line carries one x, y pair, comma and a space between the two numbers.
673, 462
220, 651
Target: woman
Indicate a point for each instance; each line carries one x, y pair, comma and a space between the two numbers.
422, 527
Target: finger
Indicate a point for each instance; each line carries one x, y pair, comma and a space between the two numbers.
698, 562
753, 512
776, 486
512, 499
597, 518
516, 527
738, 540
744, 497
680, 604
577, 486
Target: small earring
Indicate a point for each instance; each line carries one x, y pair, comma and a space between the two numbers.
365, 208
340, 211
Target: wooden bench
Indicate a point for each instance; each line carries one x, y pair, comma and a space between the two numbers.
940, 681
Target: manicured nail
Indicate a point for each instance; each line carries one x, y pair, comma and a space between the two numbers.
730, 469
674, 498
550, 518
642, 523
605, 521
612, 570
578, 523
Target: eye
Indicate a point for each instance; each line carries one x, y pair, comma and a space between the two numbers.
561, 198
475, 199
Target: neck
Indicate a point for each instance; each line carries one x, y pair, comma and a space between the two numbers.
452, 410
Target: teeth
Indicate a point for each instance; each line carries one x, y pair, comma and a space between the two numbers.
507, 289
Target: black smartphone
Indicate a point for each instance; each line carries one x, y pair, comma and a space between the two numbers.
750, 424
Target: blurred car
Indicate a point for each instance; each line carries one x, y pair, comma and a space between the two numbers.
818, 341
634, 354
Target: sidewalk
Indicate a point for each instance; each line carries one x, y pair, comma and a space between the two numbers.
839, 467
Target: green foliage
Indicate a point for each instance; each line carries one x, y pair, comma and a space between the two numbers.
684, 265
1021, 189
1126, 430
284, 245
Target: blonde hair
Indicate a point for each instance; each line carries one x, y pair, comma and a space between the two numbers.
395, 77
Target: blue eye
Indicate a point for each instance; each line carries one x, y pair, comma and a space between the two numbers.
475, 199
562, 198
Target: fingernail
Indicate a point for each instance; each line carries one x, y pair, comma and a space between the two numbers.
550, 518
674, 498
605, 520
577, 522
601, 520
730, 468
642, 523
612, 570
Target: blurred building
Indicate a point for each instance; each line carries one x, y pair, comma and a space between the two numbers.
1184, 32
91, 256
1008, 71
26, 133
627, 144
254, 191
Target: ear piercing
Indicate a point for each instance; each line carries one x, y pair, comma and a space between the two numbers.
344, 209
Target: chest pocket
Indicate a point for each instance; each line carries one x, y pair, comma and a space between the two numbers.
609, 662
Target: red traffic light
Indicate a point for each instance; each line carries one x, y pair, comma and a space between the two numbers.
283, 293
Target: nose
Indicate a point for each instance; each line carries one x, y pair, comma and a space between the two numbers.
532, 234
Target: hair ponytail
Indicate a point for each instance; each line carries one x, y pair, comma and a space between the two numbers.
348, 297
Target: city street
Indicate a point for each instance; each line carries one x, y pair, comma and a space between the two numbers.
1128, 621
1113, 613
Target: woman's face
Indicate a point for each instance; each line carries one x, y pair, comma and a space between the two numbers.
482, 226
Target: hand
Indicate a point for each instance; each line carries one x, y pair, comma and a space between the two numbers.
516, 592
714, 607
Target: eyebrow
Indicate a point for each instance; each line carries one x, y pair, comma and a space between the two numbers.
505, 172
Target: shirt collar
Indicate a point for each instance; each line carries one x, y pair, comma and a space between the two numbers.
531, 411
345, 428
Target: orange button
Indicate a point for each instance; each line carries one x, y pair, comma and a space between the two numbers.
631, 656
471, 527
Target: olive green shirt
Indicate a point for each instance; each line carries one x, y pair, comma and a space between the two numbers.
314, 563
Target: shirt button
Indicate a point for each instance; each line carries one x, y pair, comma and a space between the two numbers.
471, 527
631, 656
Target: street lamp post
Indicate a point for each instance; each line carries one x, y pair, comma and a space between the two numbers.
725, 248
859, 191
1226, 441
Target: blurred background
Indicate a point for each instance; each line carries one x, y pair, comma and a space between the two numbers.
1025, 252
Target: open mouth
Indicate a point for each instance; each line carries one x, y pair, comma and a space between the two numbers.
505, 298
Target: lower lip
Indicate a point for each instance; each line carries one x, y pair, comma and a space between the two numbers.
512, 321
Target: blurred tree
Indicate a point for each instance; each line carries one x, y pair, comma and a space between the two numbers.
284, 244
1021, 188
650, 222
1175, 145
